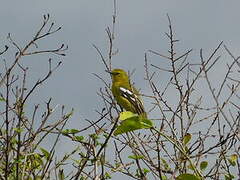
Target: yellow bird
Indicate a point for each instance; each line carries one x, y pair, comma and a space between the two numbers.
125, 94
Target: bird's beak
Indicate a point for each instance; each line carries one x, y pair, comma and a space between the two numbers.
111, 73
108, 71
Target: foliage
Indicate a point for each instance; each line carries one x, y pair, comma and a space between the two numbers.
195, 136
24, 129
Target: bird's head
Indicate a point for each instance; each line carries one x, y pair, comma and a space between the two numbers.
118, 75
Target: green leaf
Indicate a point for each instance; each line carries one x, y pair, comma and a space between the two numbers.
133, 123
2, 99
163, 177
145, 171
18, 130
34, 161
147, 123
234, 157
94, 136
107, 176
136, 157
45, 153
229, 177
165, 164
187, 177
125, 115
232, 160
203, 165
187, 138
65, 132
79, 138
73, 131
38, 177
70, 131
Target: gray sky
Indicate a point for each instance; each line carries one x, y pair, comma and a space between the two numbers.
140, 26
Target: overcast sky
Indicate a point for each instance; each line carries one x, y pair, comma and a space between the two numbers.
141, 25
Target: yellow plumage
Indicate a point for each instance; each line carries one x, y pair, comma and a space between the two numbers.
125, 94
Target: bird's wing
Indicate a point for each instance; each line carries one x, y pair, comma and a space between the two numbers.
133, 99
